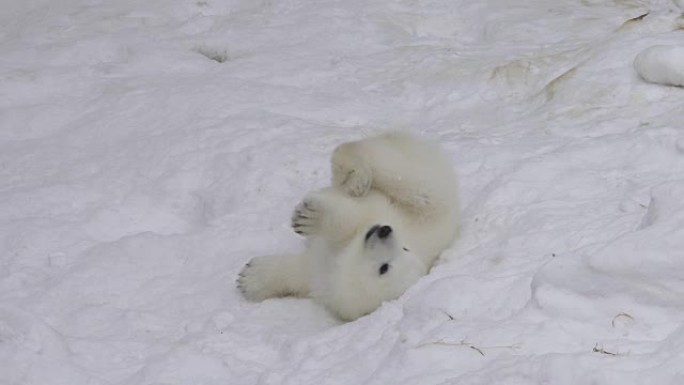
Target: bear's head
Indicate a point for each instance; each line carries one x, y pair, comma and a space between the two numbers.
373, 268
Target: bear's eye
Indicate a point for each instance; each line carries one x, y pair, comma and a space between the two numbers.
384, 268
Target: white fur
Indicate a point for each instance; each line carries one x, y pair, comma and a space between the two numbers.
393, 179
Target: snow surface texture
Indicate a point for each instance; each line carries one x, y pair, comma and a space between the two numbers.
661, 64
148, 149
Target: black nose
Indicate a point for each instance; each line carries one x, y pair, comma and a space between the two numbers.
384, 232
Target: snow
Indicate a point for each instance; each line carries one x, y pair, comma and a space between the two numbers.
661, 64
149, 149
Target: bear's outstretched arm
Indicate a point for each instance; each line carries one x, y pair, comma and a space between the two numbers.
275, 276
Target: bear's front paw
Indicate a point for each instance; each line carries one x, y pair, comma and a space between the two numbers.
306, 217
253, 281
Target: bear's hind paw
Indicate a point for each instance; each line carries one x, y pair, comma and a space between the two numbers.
349, 172
357, 183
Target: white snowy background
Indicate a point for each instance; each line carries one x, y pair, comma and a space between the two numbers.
148, 149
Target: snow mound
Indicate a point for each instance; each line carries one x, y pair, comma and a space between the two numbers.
661, 64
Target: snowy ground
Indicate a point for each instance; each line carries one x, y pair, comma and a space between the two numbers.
148, 149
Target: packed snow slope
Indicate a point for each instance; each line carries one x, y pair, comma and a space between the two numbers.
148, 149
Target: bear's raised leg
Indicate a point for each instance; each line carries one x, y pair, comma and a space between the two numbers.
399, 165
275, 276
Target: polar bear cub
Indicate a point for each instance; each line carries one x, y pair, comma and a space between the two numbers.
391, 210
